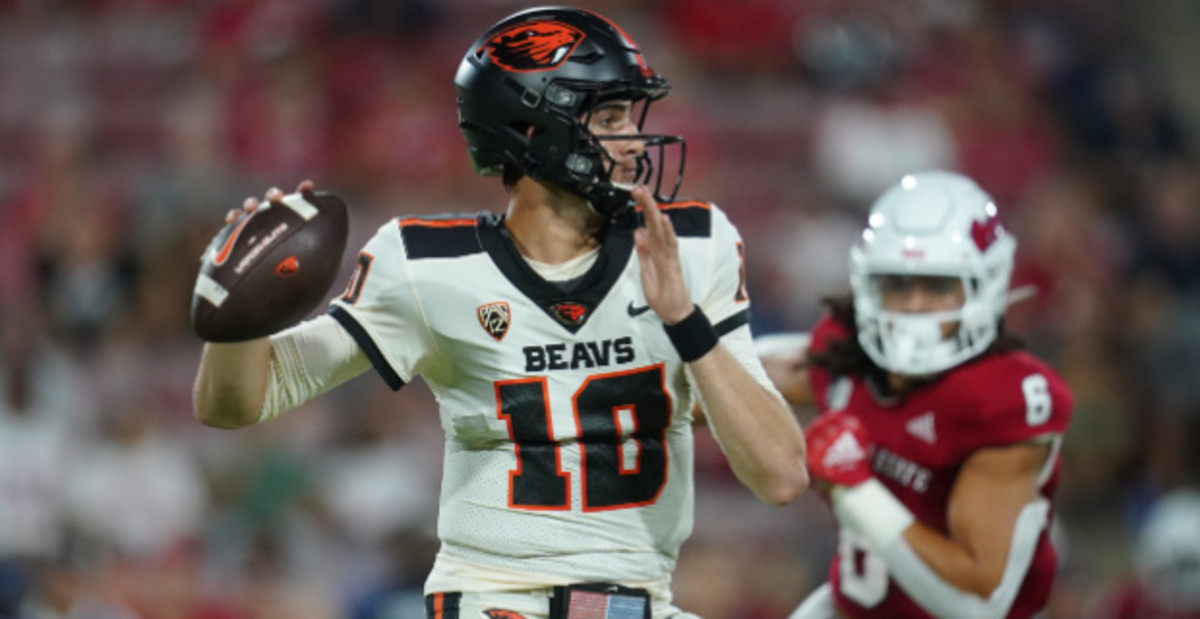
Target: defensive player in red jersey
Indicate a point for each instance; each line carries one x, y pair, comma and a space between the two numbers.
938, 438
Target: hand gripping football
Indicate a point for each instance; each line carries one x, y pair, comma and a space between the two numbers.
267, 270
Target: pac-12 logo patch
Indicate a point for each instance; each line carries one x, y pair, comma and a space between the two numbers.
540, 46
494, 318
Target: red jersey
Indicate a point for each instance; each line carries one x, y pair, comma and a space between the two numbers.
921, 441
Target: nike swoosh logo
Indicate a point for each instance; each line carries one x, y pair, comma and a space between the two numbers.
635, 311
223, 255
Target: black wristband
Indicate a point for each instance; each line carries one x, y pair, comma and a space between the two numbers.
693, 336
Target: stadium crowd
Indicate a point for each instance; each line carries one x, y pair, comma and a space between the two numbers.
129, 127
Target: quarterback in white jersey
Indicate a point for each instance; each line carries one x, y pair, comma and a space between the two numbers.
567, 410
568, 341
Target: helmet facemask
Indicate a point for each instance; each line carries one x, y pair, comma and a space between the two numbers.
925, 343
588, 168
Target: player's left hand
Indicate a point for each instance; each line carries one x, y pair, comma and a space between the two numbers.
658, 251
838, 449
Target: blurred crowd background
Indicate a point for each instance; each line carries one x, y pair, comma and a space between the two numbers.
129, 127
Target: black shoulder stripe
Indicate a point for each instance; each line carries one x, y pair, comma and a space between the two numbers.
368, 346
733, 322
692, 219
427, 237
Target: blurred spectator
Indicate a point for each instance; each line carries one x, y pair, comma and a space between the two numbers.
36, 447
372, 483
755, 37
801, 238
1169, 225
1003, 136
42, 398
138, 491
862, 143
1164, 330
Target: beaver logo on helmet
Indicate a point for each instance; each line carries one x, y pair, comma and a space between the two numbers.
541, 46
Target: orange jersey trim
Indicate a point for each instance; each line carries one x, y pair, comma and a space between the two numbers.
436, 223
671, 206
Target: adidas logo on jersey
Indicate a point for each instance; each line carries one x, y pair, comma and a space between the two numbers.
845, 450
922, 428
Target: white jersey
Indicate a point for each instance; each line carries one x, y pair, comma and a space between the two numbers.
567, 411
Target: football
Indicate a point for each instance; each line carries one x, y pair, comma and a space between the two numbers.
267, 270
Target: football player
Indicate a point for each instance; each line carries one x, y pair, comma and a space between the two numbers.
567, 341
937, 439
1166, 562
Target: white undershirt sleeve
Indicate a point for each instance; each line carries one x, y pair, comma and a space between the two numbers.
943, 599
877, 517
308, 360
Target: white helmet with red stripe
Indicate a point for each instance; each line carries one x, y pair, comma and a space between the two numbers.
939, 224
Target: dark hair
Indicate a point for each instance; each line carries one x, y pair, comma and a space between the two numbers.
846, 357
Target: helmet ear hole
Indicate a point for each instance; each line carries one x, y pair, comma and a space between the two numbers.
524, 128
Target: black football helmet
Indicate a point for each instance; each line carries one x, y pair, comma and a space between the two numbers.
526, 87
